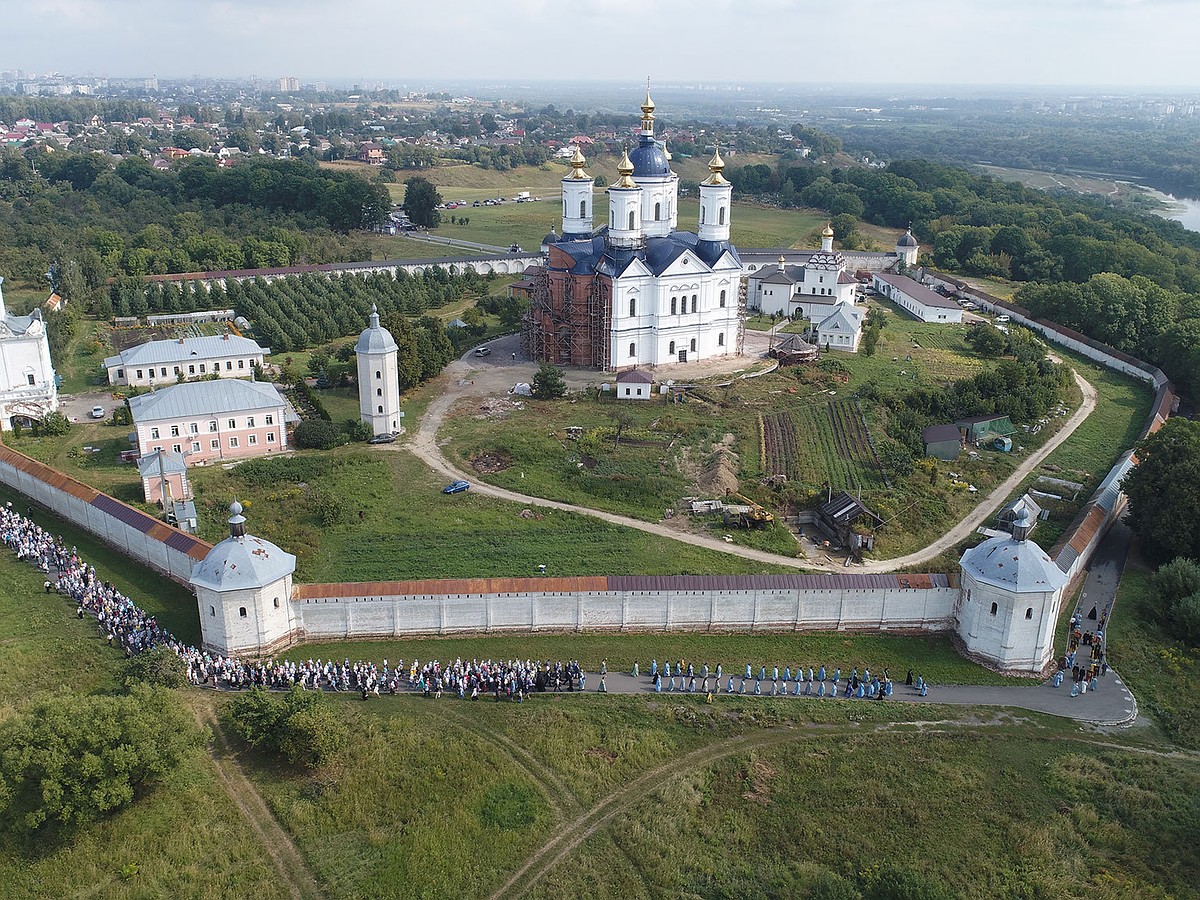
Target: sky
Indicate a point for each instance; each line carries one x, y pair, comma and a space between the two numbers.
1101, 43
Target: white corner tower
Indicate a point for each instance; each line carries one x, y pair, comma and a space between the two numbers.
577, 199
1010, 598
907, 248
28, 385
378, 378
624, 209
716, 196
827, 238
244, 591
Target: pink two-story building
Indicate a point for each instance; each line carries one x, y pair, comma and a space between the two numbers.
211, 420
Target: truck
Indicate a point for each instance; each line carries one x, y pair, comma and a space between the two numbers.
522, 196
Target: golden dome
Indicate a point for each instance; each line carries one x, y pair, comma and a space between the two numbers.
577, 161
716, 166
625, 169
828, 232
647, 110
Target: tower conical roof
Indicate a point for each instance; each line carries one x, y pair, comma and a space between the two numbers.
375, 338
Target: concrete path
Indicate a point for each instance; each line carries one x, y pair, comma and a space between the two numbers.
499, 378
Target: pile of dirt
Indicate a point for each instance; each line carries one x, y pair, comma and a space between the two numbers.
759, 781
498, 408
489, 462
719, 474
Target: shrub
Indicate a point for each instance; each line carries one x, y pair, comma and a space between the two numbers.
548, 383
317, 434
70, 760
161, 665
299, 725
53, 425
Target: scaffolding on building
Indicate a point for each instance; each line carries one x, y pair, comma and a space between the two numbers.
741, 326
563, 328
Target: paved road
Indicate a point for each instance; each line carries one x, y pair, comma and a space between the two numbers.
467, 377
451, 242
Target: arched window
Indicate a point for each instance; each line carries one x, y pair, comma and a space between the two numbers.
631, 220
583, 209
722, 299
378, 374
633, 349
671, 348
657, 211
277, 603
1029, 613
674, 305
612, 219
212, 610
242, 612
633, 306
721, 216
702, 215
693, 345
994, 608
378, 392
381, 409
721, 339
693, 302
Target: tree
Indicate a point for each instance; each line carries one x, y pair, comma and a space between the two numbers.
160, 665
1164, 491
421, 200
70, 760
987, 340
300, 725
548, 383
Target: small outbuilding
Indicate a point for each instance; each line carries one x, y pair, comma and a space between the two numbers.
838, 516
942, 441
634, 384
981, 428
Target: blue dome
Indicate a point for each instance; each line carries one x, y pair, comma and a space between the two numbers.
649, 160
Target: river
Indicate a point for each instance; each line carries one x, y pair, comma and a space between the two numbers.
1184, 211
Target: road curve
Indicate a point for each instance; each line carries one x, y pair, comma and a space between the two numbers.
425, 446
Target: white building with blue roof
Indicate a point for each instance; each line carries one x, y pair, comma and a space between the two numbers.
165, 362
637, 291
28, 385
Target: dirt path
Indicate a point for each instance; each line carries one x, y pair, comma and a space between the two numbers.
294, 873
493, 379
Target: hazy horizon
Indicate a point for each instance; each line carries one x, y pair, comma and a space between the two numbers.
1086, 45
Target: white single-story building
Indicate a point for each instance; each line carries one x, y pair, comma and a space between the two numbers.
916, 299
165, 362
841, 329
634, 384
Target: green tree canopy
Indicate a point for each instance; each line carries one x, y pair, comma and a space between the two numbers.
548, 382
1164, 491
421, 200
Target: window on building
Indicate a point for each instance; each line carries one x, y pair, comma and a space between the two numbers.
163, 371
702, 215
631, 220
229, 365
1029, 613
241, 364
381, 409
233, 442
250, 421
212, 425
191, 370
722, 301
202, 370
195, 446
671, 347
674, 301
378, 373
657, 211
177, 370
270, 437
721, 339
233, 423
212, 610
693, 345
214, 445
120, 373
633, 349
242, 611
154, 434
277, 603
583, 209
194, 428
253, 440
721, 216
639, 392
693, 302
176, 448
270, 420
632, 306
994, 608
139, 373
378, 392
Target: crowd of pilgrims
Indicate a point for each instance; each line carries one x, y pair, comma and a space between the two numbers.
122, 623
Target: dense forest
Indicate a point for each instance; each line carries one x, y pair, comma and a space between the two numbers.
130, 219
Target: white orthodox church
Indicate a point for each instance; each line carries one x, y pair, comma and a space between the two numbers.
637, 291
28, 386
378, 378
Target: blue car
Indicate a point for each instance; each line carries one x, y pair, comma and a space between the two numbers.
456, 487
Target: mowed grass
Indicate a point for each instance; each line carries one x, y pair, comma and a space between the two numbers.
395, 523
932, 656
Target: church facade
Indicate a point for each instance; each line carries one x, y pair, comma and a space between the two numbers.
637, 291
28, 385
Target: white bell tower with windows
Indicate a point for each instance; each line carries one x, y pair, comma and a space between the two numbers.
716, 201
624, 209
378, 378
577, 198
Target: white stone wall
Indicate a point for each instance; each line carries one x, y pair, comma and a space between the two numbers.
769, 610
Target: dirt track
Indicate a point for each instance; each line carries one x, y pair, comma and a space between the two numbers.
463, 378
